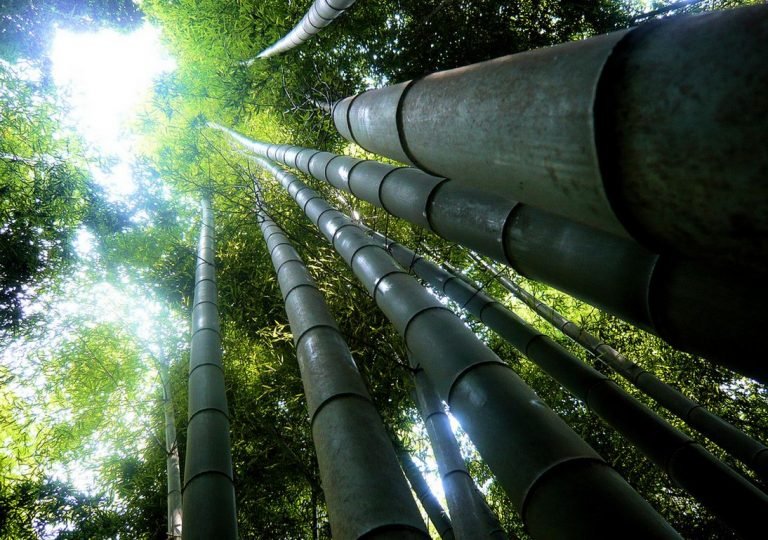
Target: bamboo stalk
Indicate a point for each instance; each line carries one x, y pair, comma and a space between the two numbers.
560, 486
654, 133
320, 14
749, 451
472, 518
702, 309
437, 514
364, 487
173, 471
209, 493
726, 493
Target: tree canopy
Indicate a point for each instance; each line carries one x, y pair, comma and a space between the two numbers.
86, 336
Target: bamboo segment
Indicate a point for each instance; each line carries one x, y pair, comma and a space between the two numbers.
321, 13
752, 453
560, 486
209, 493
472, 518
726, 493
702, 309
655, 133
364, 488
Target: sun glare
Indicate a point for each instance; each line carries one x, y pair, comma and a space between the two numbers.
105, 76
84, 242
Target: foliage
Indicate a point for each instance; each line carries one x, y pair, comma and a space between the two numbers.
46, 194
79, 397
96, 370
29, 510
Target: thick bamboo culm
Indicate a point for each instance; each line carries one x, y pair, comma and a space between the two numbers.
209, 493
320, 14
471, 516
560, 486
749, 451
655, 133
697, 308
365, 490
436, 513
726, 493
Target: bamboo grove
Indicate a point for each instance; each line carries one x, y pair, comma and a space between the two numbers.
536, 177
485, 281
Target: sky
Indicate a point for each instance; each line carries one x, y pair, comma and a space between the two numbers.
105, 77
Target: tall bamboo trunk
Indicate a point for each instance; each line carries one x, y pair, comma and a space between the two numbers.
471, 516
698, 308
749, 451
172, 462
560, 486
321, 13
209, 493
726, 493
366, 493
654, 133
437, 515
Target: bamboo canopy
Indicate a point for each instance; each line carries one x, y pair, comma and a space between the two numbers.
706, 310
209, 493
749, 451
654, 133
366, 493
726, 493
320, 14
560, 486
472, 518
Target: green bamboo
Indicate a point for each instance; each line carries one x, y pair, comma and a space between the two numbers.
560, 486
209, 493
729, 495
320, 14
471, 516
707, 310
173, 471
436, 513
749, 451
365, 491
655, 133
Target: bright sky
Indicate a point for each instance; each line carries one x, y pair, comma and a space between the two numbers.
105, 76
